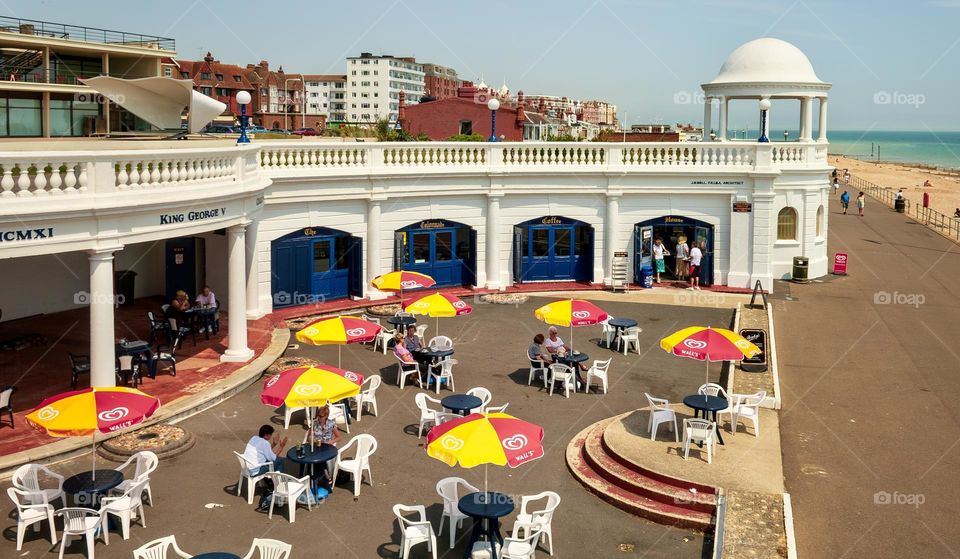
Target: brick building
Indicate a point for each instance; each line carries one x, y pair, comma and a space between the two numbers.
441, 118
278, 98
440, 82
217, 80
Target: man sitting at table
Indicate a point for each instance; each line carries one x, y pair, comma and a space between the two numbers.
414, 345
261, 450
207, 300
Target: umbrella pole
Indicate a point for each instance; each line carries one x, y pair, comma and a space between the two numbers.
485, 478
707, 378
93, 462
338, 357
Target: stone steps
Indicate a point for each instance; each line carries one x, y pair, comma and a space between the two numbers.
635, 489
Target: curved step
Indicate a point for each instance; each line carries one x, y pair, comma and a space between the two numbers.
637, 480
651, 509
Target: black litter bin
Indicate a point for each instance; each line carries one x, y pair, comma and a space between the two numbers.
801, 269
900, 205
124, 283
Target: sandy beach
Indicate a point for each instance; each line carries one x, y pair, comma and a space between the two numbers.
944, 190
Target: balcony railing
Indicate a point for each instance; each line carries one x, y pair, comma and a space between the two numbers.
85, 34
60, 77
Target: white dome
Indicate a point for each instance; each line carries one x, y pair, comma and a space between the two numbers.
767, 60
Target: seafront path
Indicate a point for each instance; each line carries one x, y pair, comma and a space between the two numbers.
870, 374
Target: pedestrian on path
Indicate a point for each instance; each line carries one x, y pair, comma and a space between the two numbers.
683, 257
696, 255
845, 201
836, 186
659, 251
860, 203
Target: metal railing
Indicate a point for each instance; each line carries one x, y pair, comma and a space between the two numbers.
942, 223
85, 34
63, 77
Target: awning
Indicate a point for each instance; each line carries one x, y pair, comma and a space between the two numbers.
159, 100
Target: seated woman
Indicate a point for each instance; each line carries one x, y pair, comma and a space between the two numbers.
537, 354
178, 308
324, 432
401, 351
554, 343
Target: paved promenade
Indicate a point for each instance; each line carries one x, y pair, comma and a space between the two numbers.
871, 393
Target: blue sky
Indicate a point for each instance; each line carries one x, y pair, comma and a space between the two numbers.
638, 54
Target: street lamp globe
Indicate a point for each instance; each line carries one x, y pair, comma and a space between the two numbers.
243, 98
493, 104
764, 104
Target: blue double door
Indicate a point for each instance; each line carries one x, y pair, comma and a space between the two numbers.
314, 265
447, 254
558, 250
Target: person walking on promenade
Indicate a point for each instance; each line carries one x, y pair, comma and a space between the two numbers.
696, 255
845, 201
861, 200
836, 186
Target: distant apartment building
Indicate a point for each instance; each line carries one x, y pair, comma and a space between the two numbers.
374, 84
600, 113
217, 80
41, 68
277, 97
326, 96
439, 81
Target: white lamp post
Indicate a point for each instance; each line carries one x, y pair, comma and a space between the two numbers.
243, 99
764, 109
493, 104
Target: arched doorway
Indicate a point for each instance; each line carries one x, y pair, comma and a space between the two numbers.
315, 264
671, 228
444, 250
552, 248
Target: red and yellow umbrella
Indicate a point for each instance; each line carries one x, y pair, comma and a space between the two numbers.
310, 386
486, 438
340, 330
705, 343
401, 280
571, 312
90, 411
438, 305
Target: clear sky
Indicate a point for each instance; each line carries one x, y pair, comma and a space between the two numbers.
643, 55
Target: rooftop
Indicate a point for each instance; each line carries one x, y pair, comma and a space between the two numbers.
83, 34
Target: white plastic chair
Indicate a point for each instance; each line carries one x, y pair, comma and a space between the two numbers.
607, 332
383, 339
713, 389
146, 463
269, 549
699, 431
421, 328
79, 521
484, 395
368, 395
661, 412
360, 463
630, 337
28, 478
288, 488
443, 371
29, 514
338, 413
563, 374
536, 370
369, 318
522, 543
126, 507
496, 409
414, 531
440, 342
443, 417
403, 314
252, 480
288, 414
599, 371
405, 369
158, 549
449, 489
428, 415
542, 518
745, 406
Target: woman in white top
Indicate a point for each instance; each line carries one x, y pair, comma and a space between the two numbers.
554, 344
659, 251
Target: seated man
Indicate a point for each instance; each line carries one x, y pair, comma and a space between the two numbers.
207, 300
412, 340
261, 450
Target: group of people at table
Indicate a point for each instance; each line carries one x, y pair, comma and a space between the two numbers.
545, 351
180, 306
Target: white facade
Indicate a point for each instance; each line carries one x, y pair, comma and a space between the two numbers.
325, 96
374, 84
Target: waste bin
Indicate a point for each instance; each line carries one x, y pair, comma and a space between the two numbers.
646, 277
801, 269
123, 286
900, 205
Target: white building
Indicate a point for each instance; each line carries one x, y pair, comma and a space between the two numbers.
310, 221
326, 95
374, 84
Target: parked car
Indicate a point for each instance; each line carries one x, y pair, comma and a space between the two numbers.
256, 129
280, 131
306, 132
218, 129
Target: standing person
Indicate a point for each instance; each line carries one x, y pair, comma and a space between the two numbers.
861, 200
836, 186
696, 255
659, 251
845, 201
899, 195
683, 257
846, 176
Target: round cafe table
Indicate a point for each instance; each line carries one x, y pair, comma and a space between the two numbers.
573, 361
486, 510
707, 404
461, 403
87, 489
621, 324
430, 357
316, 457
402, 321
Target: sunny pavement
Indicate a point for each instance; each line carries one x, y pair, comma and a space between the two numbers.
871, 393
490, 346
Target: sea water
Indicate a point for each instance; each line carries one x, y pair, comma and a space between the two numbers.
940, 149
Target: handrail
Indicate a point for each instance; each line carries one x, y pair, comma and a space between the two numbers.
82, 33
942, 223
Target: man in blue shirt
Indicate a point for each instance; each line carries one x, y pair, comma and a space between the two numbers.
845, 200
260, 450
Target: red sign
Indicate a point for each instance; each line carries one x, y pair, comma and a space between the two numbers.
840, 263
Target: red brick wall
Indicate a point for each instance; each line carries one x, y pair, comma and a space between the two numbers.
439, 87
441, 119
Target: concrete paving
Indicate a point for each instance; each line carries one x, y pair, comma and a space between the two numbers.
871, 395
195, 491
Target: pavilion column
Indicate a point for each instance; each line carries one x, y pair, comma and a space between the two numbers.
612, 223
373, 247
100, 298
491, 241
806, 115
707, 118
822, 136
723, 119
253, 276
237, 349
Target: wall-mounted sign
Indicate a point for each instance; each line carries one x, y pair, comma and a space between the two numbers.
742, 207
433, 224
672, 219
621, 254
757, 363
717, 182
26, 234
552, 220
194, 215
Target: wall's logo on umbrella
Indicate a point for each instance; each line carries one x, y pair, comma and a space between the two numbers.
351, 376
581, 314
47, 414
515, 442
459, 305
115, 414
308, 389
695, 344
273, 380
744, 344
309, 331
451, 443
407, 284
356, 332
